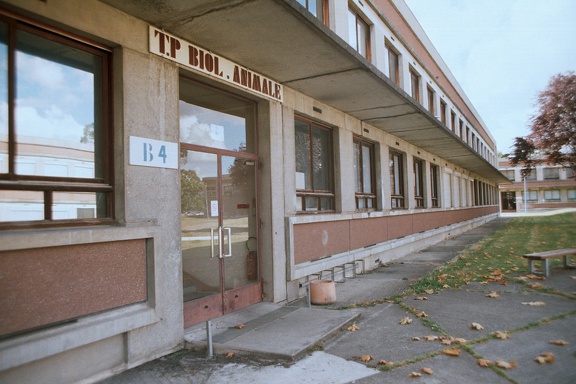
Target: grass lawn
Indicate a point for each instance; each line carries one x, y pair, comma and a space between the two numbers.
500, 254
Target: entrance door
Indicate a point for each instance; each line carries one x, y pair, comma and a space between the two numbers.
219, 215
219, 240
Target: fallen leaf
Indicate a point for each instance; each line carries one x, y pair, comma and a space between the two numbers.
501, 335
353, 328
459, 340
415, 339
476, 326
427, 371
493, 295
405, 321
366, 358
229, 355
451, 352
429, 291
559, 342
536, 285
421, 298
446, 342
485, 363
505, 365
546, 357
422, 314
239, 326
431, 338
445, 286
574, 277
536, 277
384, 362
535, 303
414, 375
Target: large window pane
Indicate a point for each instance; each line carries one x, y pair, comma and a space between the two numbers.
302, 156
321, 159
55, 106
3, 98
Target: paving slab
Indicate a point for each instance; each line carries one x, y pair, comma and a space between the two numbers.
285, 333
524, 346
381, 336
456, 310
445, 370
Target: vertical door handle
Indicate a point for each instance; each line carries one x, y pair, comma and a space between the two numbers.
229, 239
220, 242
211, 243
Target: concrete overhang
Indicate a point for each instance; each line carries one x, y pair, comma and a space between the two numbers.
281, 40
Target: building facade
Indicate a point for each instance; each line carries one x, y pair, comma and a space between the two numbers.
165, 163
545, 187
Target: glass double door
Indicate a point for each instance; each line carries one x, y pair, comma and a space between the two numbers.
218, 233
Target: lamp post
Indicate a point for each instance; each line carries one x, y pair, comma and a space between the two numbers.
525, 193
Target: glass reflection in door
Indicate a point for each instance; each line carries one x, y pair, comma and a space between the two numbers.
199, 226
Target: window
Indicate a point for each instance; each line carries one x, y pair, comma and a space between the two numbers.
397, 179
364, 174
552, 195
551, 173
434, 180
55, 131
453, 121
532, 196
571, 194
509, 173
316, 7
431, 94
443, 112
358, 34
314, 169
415, 85
419, 183
393, 65
569, 173
531, 175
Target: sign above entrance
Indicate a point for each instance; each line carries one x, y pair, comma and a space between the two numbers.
201, 60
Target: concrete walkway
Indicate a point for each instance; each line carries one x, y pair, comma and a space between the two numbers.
287, 344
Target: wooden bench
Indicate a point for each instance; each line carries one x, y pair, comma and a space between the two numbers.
544, 256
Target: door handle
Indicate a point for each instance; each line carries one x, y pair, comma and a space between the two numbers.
229, 239
212, 243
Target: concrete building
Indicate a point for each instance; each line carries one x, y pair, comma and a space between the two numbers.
546, 187
212, 154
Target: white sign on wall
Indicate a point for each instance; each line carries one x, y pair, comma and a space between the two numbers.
202, 60
153, 153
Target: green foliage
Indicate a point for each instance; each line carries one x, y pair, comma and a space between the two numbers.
193, 192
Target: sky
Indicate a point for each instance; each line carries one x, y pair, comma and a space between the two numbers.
502, 53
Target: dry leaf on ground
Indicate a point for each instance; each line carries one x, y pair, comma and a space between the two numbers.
535, 277
501, 335
353, 328
415, 339
421, 298
427, 371
493, 295
366, 358
536, 285
546, 357
422, 314
476, 326
534, 303
431, 338
505, 365
384, 362
429, 291
229, 355
405, 321
459, 340
239, 326
561, 343
451, 352
485, 363
414, 375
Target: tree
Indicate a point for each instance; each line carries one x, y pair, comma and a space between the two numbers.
193, 192
553, 128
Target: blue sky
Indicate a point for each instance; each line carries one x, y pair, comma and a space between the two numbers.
503, 53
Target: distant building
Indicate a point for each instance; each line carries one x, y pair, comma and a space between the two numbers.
167, 162
547, 186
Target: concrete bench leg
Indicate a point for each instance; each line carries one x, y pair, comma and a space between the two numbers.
544, 267
567, 263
